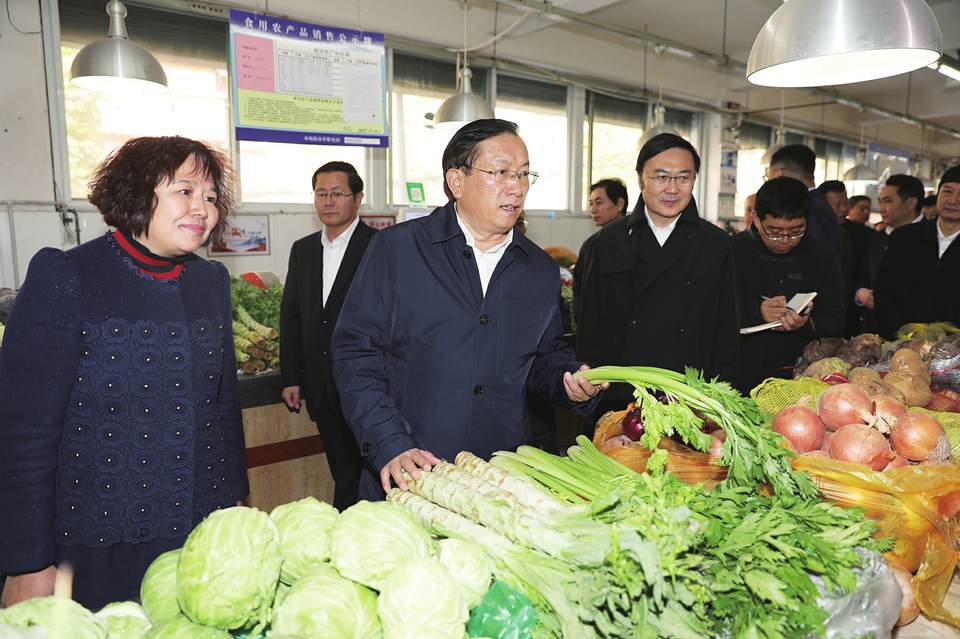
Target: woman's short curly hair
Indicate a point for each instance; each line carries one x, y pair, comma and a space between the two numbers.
124, 183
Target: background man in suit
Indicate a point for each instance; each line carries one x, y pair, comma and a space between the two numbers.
859, 236
322, 266
899, 205
859, 209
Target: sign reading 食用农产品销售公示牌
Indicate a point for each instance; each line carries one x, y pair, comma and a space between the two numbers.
305, 83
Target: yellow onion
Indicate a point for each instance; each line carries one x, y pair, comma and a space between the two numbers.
801, 426
920, 437
899, 461
861, 444
949, 504
844, 404
909, 608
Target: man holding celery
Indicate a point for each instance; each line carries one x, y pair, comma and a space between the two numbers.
451, 318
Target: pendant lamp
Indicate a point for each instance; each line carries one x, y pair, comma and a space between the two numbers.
115, 64
860, 171
767, 156
464, 107
814, 43
659, 122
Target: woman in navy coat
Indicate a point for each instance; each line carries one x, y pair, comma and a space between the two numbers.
121, 428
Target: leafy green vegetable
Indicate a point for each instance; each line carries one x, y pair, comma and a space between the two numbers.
182, 628
421, 599
158, 590
470, 566
324, 605
63, 618
304, 535
125, 620
370, 539
262, 304
229, 569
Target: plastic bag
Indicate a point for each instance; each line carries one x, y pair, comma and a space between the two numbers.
503, 613
870, 610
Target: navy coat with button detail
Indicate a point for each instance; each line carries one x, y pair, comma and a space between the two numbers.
672, 306
424, 359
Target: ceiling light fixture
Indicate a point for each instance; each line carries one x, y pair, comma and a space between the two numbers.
860, 172
464, 107
660, 117
767, 156
815, 43
947, 69
116, 65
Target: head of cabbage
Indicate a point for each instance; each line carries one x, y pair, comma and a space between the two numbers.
125, 620
470, 567
304, 527
182, 628
421, 599
60, 616
324, 605
158, 590
370, 539
229, 569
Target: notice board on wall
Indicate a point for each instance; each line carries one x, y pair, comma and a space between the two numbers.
307, 83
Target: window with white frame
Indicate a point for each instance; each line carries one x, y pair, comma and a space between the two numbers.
540, 110
420, 85
611, 144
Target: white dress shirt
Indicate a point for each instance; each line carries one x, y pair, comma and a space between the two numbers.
486, 260
662, 234
333, 251
945, 240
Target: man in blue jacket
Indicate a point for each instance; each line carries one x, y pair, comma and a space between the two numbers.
450, 319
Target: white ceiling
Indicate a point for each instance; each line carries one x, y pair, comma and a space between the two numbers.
580, 50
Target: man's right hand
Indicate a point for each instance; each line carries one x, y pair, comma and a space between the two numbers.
291, 397
411, 461
865, 296
30, 585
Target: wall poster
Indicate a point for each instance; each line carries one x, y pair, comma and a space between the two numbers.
306, 83
244, 234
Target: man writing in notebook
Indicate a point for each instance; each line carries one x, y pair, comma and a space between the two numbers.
773, 262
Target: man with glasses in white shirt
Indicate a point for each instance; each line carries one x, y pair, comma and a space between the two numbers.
774, 261
451, 319
919, 276
321, 270
659, 288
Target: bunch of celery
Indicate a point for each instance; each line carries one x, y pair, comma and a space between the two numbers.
588, 578
754, 454
739, 563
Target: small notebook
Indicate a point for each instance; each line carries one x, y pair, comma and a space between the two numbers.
797, 304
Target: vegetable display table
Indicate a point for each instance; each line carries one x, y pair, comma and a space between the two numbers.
923, 628
285, 457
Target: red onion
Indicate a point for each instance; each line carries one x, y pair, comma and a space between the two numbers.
861, 444
801, 426
909, 608
632, 425
844, 404
920, 437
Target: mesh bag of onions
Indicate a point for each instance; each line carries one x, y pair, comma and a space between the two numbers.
916, 500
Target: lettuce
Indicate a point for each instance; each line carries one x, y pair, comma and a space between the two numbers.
370, 539
63, 618
125, 620
470, 567
158, 590
182, 628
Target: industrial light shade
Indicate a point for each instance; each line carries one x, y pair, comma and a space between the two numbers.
463, 107
658, 128
115, 64
860, 173
812, 43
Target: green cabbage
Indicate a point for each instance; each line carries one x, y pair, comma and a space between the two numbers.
420, 599
14, 632
304, 535
63, 618
125, 620
324, 605
470, 567
158, 590
182, 628
370, 539
229, 569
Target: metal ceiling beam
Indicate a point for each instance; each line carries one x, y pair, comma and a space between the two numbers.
548, 9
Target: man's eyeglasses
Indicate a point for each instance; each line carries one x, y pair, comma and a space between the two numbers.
777, 238
663, 179
502, 176
337, 196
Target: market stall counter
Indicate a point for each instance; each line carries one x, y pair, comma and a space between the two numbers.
285, 456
